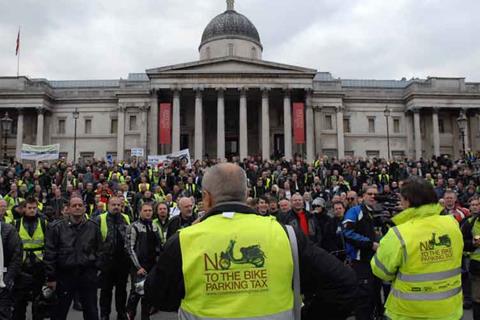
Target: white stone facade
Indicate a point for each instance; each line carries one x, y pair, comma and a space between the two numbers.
231, 102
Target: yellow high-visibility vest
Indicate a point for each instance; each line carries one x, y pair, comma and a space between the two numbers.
104, 226
35, 243
237, 266
422, 257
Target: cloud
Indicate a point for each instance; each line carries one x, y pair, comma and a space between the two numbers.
382, 39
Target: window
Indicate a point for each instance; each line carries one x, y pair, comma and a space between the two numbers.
373, 153
133, 123
349, 154
396, 125
13, 128
328, 122
61, 126
87, 156
88, 126
330, 152
371, 125
207, 50
398, 154
254, 53
230, 49
441, 126
114, 126
346, 125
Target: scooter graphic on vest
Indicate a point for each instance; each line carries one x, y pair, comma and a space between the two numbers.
252, 254
442, 241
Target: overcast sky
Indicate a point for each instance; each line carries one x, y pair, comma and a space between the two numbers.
369, 39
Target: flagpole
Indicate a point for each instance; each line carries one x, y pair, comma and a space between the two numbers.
18, 52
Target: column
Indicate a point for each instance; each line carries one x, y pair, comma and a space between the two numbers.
410, 133
19, 133
436, 133
153, 124
198, 124
243, 124
144, 133
340, 134
309, 130
221, 123
467, 131
418, 136
121, 132
318, 129
265, 125
40, 124
287, 125
176, 121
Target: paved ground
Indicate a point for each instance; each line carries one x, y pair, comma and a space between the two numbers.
75, 315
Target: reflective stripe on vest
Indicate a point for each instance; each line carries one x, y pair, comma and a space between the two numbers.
162, 234
104, 225
382, 267
237, 266
427, 296
434, 276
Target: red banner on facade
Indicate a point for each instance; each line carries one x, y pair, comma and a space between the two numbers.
299, 122
165, 123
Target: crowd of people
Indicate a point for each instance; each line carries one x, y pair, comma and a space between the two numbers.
69, 229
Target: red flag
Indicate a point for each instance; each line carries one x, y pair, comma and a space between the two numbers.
165, 123
299, 122
17, 49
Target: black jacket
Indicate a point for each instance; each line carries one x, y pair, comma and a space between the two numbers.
12, 253
143, 244
331, 284
112, 252
314, 228
177, 223
71, 247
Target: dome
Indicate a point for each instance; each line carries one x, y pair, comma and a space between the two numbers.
230, 25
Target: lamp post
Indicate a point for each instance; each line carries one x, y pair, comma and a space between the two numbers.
6, 126
387, 112
462, 126
76, 114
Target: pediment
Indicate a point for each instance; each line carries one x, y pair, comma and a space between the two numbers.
230, 65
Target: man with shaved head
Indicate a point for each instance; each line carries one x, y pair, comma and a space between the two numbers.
184, 219
236, 263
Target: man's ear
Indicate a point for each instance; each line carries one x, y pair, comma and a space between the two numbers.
207, 200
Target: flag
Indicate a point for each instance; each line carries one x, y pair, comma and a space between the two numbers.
17, 49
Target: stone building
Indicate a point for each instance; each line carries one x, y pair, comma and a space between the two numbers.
231, 102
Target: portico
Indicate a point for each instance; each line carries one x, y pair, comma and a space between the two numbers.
243, 107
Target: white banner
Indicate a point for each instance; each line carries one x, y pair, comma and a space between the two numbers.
183, 156
49, 152
136, 152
